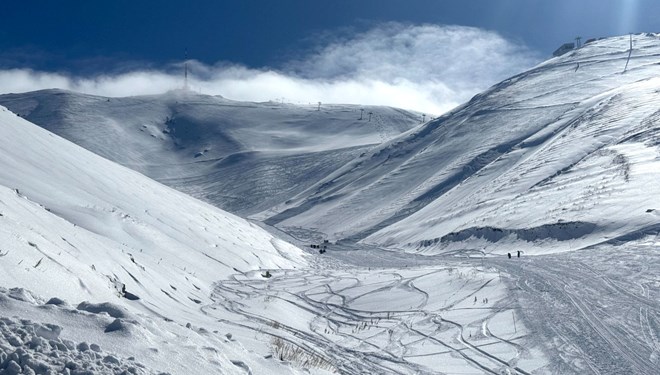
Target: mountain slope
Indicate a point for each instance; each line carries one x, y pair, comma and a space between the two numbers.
558, 149
547, 156
243, 157
80, 228
562, 157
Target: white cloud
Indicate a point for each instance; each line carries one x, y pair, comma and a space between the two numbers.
429, 68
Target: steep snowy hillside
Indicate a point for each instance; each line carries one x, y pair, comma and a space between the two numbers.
243, 157
564, 156
80, 228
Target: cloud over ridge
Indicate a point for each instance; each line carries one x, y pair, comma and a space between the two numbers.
430, 68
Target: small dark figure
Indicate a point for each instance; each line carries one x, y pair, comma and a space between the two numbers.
509, 254
518, 253
577, 67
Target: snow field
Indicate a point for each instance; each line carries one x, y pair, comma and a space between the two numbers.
413, 319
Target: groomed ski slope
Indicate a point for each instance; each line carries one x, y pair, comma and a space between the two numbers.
559, 157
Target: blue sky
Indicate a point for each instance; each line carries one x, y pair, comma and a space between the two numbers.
87, 44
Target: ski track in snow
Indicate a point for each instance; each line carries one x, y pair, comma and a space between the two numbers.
347, 319
565, 314
597, 320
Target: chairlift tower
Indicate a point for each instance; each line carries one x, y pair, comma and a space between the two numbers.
578, 42
361, 112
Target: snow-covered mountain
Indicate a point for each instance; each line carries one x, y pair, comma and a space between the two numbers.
145, 279
242, 157
564, 155
78, 227
548, 156
104, 271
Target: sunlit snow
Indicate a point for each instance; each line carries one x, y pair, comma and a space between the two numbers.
517, 234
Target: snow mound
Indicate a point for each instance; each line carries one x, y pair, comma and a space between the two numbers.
27, 347
111, 309
57, 338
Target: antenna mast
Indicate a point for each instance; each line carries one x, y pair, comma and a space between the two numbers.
185, 74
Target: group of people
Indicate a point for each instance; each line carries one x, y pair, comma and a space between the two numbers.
509, 254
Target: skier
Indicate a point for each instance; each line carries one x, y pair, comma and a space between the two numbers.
509, 254
518, 253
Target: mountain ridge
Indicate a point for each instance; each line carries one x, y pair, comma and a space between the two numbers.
402, 184
203, 144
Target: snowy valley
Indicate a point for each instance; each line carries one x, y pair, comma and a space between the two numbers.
171, 233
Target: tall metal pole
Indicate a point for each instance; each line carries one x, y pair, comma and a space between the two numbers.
629, 54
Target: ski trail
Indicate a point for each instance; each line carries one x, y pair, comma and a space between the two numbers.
590, 310
462, 340
386, 340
